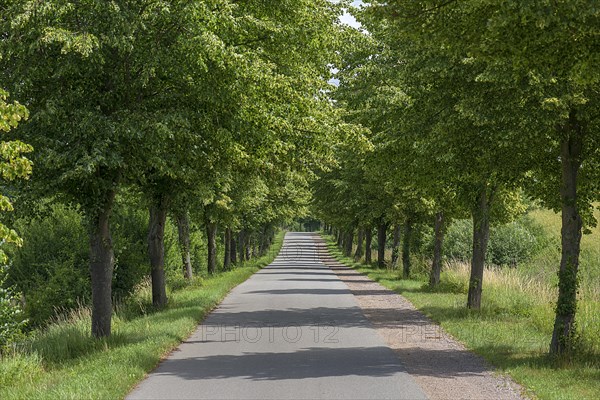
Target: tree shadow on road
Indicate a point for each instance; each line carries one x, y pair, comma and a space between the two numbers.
313, 362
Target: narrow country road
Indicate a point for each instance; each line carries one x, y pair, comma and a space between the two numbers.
292, 331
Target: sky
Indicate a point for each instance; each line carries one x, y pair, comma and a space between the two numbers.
349, 19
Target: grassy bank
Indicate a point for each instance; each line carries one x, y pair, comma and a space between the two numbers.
66, 362
513, 329
544, 265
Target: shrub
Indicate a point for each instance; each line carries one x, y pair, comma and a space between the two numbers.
130, 230
458, 243
173, 263
198, 252
510, 244
12, 322
51, 268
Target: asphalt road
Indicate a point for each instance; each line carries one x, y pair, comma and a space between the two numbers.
291, 331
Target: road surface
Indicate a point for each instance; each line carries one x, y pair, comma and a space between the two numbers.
292, 331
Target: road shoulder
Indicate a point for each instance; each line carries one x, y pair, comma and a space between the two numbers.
442, 366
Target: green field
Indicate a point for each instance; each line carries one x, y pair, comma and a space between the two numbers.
66, 362
513, 329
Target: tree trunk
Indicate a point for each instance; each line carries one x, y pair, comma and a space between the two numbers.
406, 238
339, 237
368, 243
395, 246
481, 235
211, 243
183, 227
264, 242
566, 306
156, 248
241, 243
101, 268
381, 238
348, 243
227, 243
436, 267
233, 248
359, 244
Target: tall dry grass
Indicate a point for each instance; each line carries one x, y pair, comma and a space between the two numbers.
505, 279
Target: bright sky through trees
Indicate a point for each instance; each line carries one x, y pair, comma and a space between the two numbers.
349, 19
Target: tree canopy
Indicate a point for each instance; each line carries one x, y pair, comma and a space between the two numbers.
472, 105
218, 110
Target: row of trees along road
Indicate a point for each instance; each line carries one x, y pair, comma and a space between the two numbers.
470, 105
214, 110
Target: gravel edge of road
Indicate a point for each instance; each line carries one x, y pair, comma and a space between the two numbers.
441, 365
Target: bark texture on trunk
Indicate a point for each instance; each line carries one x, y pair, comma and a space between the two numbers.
395, 246
348, 243
381, 238
263, 246
566, 306
101, 268
359, 244
183, 227
368, 244
233, 248
227, 253
156, 248
436, 267
263, 242
406, 238
211, 242
481, 235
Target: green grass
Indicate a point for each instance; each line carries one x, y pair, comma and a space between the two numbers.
66, 362
545, 264
512, 330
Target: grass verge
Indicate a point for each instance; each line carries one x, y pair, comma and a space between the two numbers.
512, 330
65, 362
